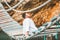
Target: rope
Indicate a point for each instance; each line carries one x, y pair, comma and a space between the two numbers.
31, 9
49, 24
10, 8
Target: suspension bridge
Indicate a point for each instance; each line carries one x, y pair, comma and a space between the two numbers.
14, 30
